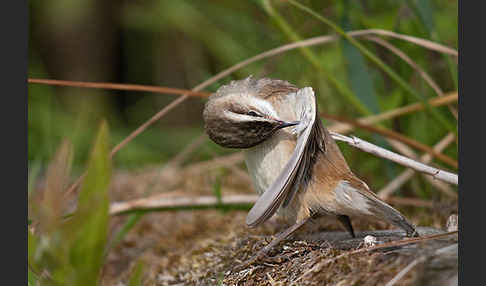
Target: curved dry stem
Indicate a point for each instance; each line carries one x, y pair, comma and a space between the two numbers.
346, 128
163, 201
414, 65
178, 200
331, 38
417, 41
117, 86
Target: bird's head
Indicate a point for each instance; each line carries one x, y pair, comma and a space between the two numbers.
238, 115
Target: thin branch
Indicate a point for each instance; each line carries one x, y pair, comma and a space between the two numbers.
402, 148
397, 136
118, 86
438, 101
418, 41
407, 174
383, 153
414, 65
176, 200
163, 201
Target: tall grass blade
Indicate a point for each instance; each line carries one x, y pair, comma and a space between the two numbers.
393, 75
86, 233
312, 58
424, 9
136, 277
358, 71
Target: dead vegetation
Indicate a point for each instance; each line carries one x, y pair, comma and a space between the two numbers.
204, 247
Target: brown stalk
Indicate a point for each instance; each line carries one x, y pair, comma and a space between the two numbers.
396, 136
176, 200
160, 201
345, 128
414, 65
118, 86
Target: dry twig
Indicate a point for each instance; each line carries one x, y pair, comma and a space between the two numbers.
118, 86
407, 174
396, 136
165, 201
383, 153
176, 200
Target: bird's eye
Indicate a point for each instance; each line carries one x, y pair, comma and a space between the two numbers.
253, 113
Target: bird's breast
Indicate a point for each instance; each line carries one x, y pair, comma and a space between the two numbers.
266, 160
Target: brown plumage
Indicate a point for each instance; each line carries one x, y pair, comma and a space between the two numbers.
298, 171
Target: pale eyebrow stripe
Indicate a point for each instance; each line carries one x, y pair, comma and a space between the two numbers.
266, 105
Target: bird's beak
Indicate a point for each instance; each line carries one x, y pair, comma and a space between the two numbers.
284, 124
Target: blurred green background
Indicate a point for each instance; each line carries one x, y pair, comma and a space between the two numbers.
180, 44
183, 43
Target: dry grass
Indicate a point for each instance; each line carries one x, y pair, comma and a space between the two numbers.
203, 247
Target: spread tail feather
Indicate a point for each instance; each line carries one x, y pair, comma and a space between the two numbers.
355, 195
384, 210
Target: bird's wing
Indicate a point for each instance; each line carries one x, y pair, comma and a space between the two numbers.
272, 198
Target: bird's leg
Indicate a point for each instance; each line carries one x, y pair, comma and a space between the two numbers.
281, 236
346, 222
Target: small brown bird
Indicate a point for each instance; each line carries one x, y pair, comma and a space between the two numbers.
294, 163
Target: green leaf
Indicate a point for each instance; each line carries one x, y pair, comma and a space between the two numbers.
217, 189
127, 226
392, 100
31, 278
86, 233
425, 11
358, 71
32, 242
136, 277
